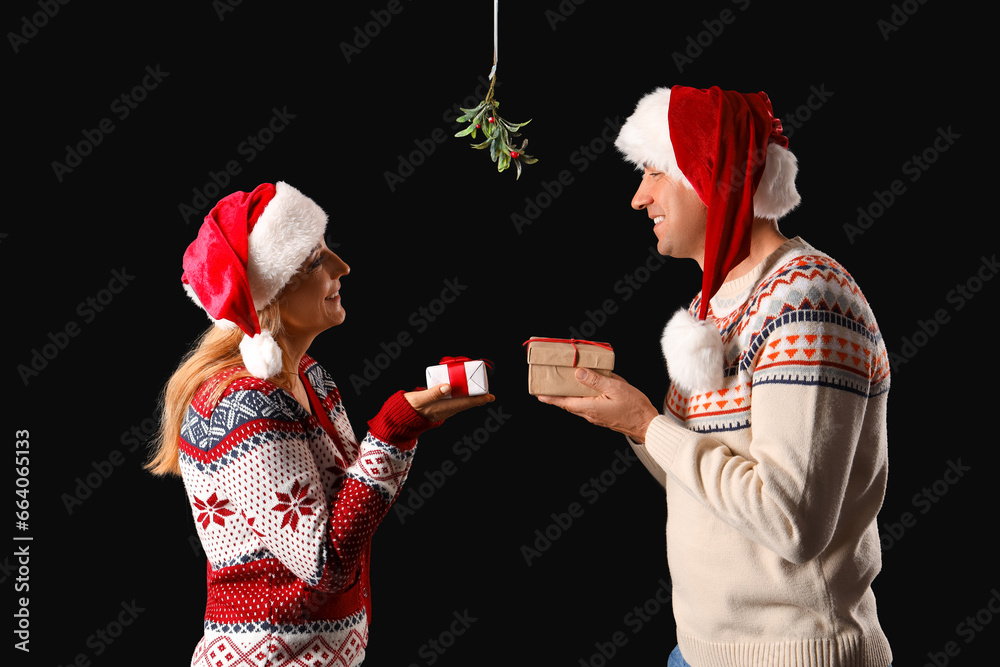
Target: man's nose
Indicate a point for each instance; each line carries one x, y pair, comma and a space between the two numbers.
641, 199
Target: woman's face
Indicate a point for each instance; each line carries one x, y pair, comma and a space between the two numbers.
311, 301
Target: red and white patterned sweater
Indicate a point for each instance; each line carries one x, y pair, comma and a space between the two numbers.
285, 504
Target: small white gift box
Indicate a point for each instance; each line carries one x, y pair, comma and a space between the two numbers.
467, 377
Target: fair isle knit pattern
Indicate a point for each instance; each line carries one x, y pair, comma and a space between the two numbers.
285, 504
805, 323
774, 479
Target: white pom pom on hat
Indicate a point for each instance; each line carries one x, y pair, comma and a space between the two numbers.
248, 248
727, 147
261, 355
693, 351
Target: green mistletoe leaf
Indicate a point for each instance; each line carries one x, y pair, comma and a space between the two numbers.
470, 113
497, 134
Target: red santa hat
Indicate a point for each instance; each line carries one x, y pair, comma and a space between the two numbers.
248, 248
727, 147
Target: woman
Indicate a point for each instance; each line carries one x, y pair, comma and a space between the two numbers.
285, 500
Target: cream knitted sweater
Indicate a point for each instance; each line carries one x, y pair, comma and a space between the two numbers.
774, 480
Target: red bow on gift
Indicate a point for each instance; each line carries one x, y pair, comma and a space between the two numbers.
456, 374
572, 342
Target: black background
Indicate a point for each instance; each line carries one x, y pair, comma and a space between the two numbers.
350, 120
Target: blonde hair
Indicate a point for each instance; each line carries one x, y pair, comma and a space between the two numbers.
215, 351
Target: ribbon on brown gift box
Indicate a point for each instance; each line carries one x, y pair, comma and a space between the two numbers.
552, 373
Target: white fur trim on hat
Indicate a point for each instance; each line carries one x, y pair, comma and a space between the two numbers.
645, 140
261, 355
286, 232
645, 137
693, 351
776, 195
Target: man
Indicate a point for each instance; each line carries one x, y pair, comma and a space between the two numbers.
772, 442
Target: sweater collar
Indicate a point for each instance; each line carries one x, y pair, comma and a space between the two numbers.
734, 293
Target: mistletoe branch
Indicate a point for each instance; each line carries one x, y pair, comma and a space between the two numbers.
498, 133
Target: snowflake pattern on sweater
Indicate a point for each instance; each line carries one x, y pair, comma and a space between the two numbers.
285, 504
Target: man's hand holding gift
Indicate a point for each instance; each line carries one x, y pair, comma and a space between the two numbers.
618, 405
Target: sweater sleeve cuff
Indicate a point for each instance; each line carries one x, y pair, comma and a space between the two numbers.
663, 438
398, 424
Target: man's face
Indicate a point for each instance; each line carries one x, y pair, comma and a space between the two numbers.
678, 214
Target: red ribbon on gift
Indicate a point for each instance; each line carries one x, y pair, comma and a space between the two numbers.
456, 374
572, 342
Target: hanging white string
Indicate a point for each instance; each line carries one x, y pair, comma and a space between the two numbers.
496, 10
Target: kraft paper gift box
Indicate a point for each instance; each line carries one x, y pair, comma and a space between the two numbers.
467, 377
552, 364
